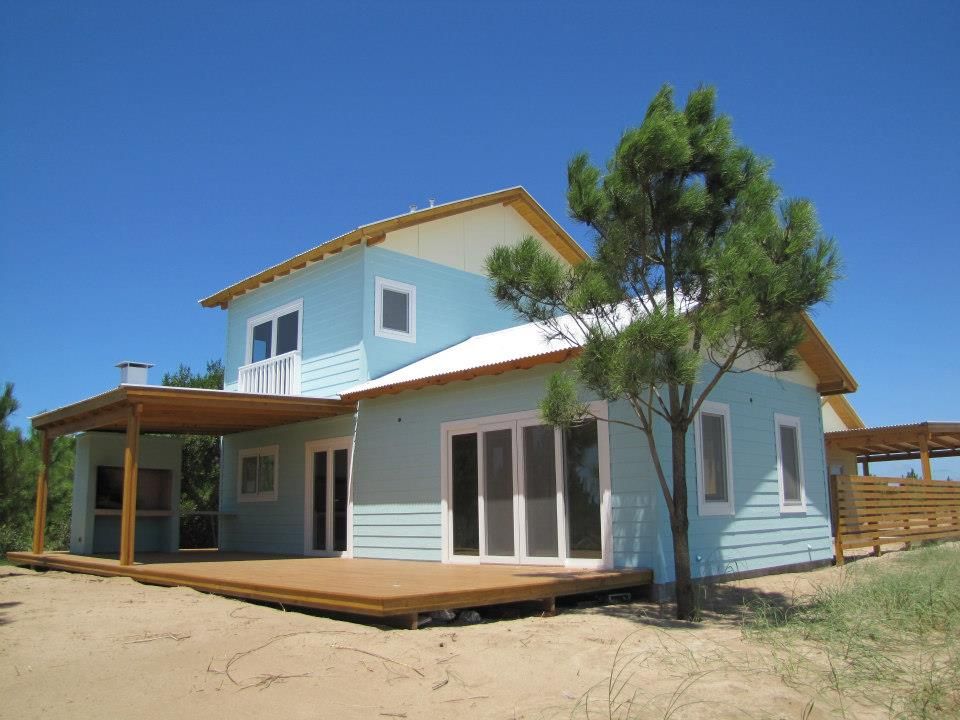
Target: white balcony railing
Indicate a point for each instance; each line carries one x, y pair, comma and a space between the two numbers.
278, 375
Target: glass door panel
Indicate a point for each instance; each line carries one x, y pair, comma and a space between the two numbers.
320, 500
465, 480
539, 483
582, 491
498, 501
340, 500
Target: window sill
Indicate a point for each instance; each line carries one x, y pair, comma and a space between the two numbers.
793, 509
718, 511
257, 498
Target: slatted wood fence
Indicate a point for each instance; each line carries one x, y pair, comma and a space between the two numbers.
873, 511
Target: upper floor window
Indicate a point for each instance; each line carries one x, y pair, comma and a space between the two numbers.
396, 310
790, 464
714, 460
274, 333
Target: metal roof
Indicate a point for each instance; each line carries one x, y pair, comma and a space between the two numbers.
526, 346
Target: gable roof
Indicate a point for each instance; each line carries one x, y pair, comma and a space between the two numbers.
516, 197
525, 346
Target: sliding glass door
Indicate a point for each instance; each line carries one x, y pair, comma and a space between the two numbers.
520, 491
327, 500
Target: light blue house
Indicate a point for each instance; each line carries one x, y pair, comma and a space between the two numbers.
446, 459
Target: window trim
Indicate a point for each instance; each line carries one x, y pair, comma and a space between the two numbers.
329, 445
712, 507
258, 496
400, 287
272, 316
779, 421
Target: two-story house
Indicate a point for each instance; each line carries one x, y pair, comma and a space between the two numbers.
446, 458
380, 404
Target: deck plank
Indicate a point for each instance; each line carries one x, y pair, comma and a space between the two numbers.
373, 588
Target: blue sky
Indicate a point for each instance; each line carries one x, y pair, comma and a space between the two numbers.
152, 153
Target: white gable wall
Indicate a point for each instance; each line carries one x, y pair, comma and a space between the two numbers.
464, 241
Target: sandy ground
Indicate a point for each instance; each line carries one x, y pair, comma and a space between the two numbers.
75, 646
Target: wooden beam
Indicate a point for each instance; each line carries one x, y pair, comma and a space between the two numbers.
92, 421
40, 509
131, 461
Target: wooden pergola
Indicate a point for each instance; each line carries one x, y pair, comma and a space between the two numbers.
136, 409
919, 441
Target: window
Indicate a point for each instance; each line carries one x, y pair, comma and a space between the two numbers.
790, 464
714, 460
258, 474
396, 310
274, 333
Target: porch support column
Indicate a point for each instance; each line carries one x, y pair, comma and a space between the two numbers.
866, 466
933, 522
925, 458
131, 459
40, 509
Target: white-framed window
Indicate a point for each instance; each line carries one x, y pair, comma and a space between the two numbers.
257, 474
714, 460
396, 310
274, 333
793, 497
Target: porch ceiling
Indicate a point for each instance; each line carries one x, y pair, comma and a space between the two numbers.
186, 410
898, 442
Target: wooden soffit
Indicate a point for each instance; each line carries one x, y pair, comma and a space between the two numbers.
833, 377
517, 198
171, 410
898, 442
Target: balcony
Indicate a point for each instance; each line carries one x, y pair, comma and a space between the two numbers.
278, 375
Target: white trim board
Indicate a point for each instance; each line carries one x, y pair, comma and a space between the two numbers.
794, 422
328, 445
705, 507
403, 288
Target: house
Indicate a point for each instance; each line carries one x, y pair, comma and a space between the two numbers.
399, 420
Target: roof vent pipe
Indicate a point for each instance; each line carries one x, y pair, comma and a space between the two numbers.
433, 201
413, 208
133, 373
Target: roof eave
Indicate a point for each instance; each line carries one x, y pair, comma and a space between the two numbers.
376, 231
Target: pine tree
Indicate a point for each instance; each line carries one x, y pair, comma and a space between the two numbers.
700, 269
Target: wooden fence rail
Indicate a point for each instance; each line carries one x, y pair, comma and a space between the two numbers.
873, 511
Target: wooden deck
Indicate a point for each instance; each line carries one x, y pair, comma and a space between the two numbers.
395, 591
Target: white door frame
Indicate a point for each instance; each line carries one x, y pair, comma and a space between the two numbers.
481, 489
328, 445
517, 421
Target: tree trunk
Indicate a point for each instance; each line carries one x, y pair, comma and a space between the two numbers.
679, 524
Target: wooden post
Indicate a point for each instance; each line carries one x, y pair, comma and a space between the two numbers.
925, 458
131, 460
932, 522
866, 467
835, 519
40, 509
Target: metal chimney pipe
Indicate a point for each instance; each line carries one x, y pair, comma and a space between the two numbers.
133, 373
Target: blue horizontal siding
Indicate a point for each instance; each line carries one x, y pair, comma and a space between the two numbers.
274, 525
332, 293
452, 305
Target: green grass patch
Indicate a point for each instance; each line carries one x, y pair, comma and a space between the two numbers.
888, 633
